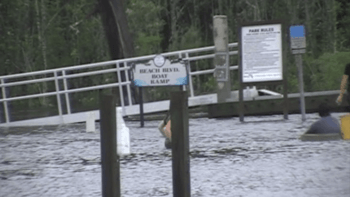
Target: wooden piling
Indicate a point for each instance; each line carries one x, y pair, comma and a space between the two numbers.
109, 157
180, 144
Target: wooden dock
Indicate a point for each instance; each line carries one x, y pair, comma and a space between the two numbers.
270, 105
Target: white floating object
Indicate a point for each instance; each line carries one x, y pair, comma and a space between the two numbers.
123, 137
250, 92
90, 122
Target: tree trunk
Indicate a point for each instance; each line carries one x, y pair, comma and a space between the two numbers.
308, 27
125, 38
111, 29
42, 42
334, 17
174, 36
119, 39
166, 30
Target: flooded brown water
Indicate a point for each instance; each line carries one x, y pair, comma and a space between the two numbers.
261, 157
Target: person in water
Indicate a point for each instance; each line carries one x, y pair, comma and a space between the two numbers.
327, 123
164, 128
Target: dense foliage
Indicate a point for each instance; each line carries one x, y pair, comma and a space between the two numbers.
42, 34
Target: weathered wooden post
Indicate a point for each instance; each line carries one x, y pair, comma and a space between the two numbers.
180, 144
109, 157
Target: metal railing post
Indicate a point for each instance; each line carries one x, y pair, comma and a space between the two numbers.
120, 88
190, 55
190, 76
126, 72
65, 89
7, 117
180, 57
58, 95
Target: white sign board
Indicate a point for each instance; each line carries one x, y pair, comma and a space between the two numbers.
262, 53
168, 74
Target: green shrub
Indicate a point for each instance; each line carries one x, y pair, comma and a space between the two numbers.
325, 73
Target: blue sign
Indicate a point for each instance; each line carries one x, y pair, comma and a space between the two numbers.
297, 31
297, 39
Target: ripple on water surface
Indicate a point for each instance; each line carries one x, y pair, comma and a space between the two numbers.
260, 157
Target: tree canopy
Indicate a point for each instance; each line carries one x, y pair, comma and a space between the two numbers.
42, 34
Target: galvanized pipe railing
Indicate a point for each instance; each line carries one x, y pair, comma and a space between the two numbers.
7, 117
64, 76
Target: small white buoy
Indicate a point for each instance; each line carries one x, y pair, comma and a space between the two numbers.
123, 137
250, 92
254, 92
90, 122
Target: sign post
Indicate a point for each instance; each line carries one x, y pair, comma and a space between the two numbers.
261, 58
298, 45
180, 144
141, 107
110, 163
159, 72
221, 60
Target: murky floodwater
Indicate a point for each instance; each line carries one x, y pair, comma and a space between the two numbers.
262, 157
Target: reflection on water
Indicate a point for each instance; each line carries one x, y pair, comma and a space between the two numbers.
261, 157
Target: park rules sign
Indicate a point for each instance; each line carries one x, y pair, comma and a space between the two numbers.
261, 53
160, 72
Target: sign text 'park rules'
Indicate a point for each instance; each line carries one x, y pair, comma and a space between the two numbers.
168, 74
261, 53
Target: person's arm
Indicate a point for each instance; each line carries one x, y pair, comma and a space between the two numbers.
343, 84
342, 88
161, 126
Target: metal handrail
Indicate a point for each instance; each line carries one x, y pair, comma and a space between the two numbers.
27, 82
202, 72
62, 77
121, 65
85, 73
64, 91
112, 62
92, 87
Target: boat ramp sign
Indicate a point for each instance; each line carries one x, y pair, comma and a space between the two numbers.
297, 39
160, 72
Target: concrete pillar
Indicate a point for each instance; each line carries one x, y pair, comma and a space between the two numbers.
221, 60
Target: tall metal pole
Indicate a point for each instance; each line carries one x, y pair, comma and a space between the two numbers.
58, 94
301, 85
66, 88
298, 46
142, 121
7, 115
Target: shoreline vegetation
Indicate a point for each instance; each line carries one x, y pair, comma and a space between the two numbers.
43, 35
